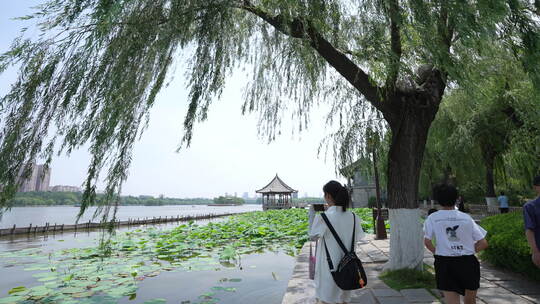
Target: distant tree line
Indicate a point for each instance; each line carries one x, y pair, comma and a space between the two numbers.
229, 200
38, 198
308, 200
74, 198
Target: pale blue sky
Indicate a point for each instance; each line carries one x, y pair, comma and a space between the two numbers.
226, 154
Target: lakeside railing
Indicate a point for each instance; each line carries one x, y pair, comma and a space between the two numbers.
487, 210
90, 225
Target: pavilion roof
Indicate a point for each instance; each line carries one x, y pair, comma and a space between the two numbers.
276, 186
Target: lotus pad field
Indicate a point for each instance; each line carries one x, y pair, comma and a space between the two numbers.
113, 273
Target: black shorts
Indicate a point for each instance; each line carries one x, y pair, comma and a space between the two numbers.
504, 210
457, 273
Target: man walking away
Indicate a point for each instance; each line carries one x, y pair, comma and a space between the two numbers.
503, 202
531, 217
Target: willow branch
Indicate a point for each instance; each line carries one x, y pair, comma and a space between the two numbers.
445, 28
302, 29
395, 44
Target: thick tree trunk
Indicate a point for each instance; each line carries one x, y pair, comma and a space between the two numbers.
447, 179
410, 115
489, 162
405, 161
490, 179
404, 164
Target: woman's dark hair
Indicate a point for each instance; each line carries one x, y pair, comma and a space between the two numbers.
339, 194
445, 195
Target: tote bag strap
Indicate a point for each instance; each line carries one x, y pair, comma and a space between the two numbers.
334, 233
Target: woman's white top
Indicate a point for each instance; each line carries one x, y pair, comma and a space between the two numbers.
325, 288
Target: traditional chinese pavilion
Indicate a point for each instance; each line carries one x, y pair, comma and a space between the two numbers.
276, 195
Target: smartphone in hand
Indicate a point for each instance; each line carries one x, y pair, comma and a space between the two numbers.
318, 207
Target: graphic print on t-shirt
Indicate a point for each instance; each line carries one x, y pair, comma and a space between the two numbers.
451, 233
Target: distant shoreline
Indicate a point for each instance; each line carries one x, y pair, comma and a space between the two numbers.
134, 205
223, 205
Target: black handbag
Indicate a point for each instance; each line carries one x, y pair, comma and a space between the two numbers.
349, 274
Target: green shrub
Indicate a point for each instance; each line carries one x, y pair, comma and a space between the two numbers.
508, 246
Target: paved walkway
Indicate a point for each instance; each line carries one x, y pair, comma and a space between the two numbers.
496, 286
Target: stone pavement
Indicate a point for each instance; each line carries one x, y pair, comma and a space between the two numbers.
496, 286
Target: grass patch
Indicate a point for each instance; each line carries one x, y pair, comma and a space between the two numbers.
408, 278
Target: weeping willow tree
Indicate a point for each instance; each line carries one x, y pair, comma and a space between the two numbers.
489, 143
95, 70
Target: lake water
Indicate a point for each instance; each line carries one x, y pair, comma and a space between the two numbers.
264, 276
24, 216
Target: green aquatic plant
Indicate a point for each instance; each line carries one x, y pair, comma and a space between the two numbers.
88, 275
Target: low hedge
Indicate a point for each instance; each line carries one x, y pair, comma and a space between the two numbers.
508, 245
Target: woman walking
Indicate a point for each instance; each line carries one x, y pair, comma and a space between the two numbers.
345, 223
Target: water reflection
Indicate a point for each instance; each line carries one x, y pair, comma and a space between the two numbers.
259, 278
24, 216
264, 278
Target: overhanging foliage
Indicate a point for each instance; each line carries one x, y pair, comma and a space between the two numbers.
93, 73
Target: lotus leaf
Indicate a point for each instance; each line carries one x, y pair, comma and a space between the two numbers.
18, 289
90, 272
156, 301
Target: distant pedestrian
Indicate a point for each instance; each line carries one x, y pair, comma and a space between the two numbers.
457, 271
531, 216
503, 202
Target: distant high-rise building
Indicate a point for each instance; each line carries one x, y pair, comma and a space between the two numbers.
37, 180
295, 195
28, 183
43, 178
305, 194
235, 194
245, 195
63, 188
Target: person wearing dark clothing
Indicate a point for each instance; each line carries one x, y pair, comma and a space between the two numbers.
531, 217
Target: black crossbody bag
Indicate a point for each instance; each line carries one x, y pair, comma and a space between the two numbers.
349, 274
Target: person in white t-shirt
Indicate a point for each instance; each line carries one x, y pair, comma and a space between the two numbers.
457, 270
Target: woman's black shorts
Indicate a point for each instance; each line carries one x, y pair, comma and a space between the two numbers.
457, 273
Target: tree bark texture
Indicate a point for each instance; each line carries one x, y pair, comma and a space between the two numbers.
404, 163
409, 117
